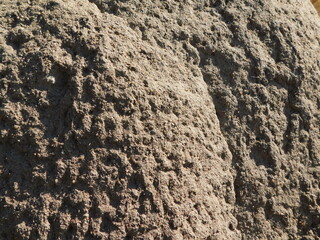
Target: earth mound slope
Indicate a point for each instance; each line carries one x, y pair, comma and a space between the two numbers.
159, 119
104, 136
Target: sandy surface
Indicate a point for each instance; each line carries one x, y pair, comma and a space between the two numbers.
159, 119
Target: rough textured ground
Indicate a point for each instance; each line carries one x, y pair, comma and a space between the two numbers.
159, 119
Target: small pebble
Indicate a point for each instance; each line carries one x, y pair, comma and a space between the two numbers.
51, 79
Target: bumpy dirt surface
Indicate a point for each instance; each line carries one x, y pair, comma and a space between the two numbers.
159, 119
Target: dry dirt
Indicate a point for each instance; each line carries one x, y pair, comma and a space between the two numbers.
150, 119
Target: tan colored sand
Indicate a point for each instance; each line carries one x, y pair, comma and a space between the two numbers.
159, 120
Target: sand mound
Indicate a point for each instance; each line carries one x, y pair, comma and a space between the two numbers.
159, 120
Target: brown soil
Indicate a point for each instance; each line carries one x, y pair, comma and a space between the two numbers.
159, 119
